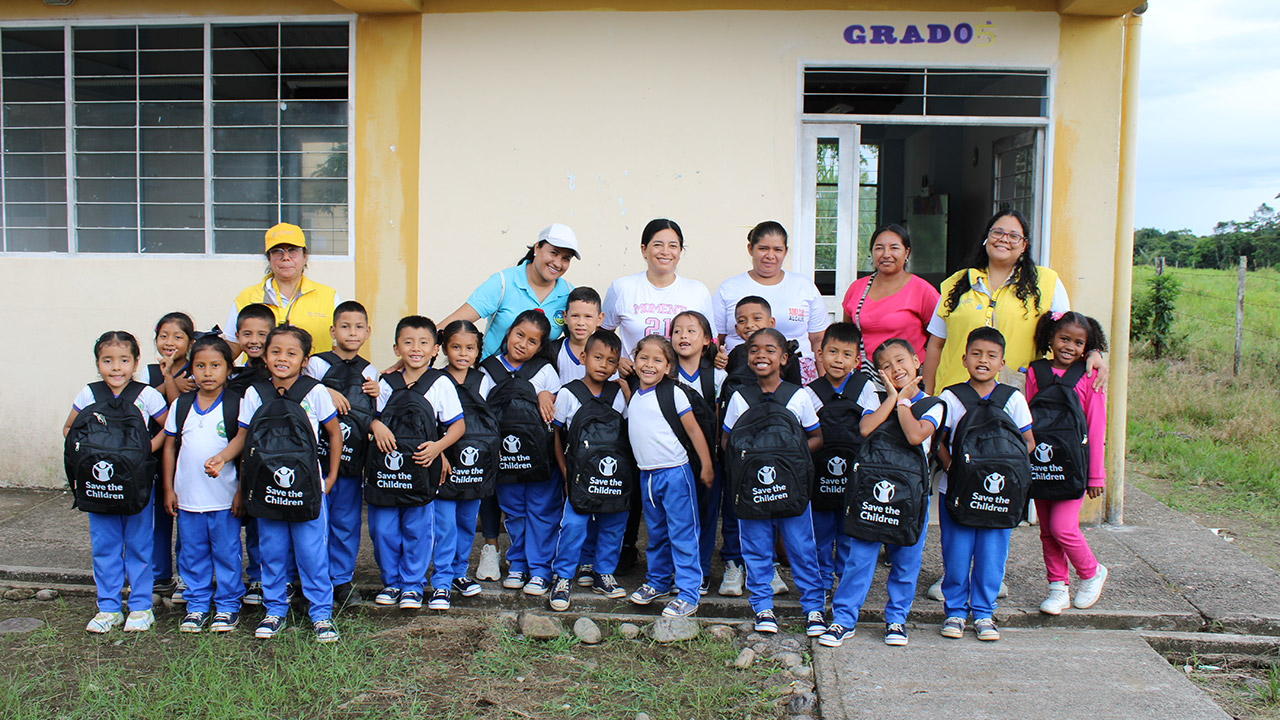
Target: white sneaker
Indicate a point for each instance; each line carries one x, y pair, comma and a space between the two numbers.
935, 591
103, 622
1090, 589
488, 568
139, 621
1058, 599
777, 583
731, 585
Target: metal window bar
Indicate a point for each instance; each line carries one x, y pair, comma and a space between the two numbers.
896, 83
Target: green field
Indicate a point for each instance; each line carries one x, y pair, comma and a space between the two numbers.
1201, 439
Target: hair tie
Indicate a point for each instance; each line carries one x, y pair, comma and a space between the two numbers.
1056, 316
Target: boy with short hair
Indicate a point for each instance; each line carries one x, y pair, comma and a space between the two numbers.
350, 379
753, 313
600, 357
582, 317
974, 557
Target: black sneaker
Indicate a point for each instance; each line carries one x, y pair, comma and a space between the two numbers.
253, 593
560, 594
585, 575
815, 624
466, 587
607, 586
388, 596
290, 592
224, 622
895, 634
766, 622
439, 599
345, 595
325, 631
835, 635
193, 622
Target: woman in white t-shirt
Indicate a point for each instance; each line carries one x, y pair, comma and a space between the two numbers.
645, 303
799, 312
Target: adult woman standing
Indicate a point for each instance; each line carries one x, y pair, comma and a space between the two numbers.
293, 297
799, 312
646, 302
1023, 291
535, 283
890, 302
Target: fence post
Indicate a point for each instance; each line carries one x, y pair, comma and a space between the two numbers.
1160, 265
1244, 264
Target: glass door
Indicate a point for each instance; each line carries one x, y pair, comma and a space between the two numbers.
826, 237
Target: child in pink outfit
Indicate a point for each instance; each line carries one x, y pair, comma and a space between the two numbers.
1069, 338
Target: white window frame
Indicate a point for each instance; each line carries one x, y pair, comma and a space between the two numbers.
207, 24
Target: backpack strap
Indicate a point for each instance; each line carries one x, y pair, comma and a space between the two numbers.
610, 393
822, 388
496, 369
783, 394
1043, 373
555, 352
230, 413
471, 380
1001, 394
530, 368
427, 380
131, 392
965, 393
707, 378
155, 377
666, 395
181, 409
580, 392
1072, 376
101, 393
395, 380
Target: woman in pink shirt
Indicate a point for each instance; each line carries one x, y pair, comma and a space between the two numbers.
890, 302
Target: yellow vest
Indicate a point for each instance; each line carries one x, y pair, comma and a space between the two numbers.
1015, 319
311, 309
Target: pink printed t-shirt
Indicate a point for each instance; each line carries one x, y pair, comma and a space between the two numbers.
904, 314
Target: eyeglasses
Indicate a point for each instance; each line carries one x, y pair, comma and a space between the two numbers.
278, 253
998, 234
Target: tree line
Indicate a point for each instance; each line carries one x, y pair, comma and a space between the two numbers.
1257, 238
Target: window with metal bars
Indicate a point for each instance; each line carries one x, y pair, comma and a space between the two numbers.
926, 91
174, 139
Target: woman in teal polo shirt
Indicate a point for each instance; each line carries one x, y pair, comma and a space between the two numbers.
536, 282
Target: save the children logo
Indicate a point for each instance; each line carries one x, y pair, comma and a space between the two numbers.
884, 491
283, 477
511, 444
766, 475
394, 460
994, 483
608, 466
103, 471
1044, 452
469, 455
836, 465
346, 432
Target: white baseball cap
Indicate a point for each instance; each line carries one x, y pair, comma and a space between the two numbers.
562, 236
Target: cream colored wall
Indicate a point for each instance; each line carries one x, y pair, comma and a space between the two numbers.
57, 307
606, 120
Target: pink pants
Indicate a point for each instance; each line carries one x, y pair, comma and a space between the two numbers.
1062, 540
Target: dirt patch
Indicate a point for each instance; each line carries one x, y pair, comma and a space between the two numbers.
1245, 686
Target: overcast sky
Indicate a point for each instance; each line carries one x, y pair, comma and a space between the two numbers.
1209, 115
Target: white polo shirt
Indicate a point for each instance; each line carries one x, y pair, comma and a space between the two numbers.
149, 402
653, 442
870, 401
1016, 407
567, 406
203, 436
800, 405
443, 396
545, 380
317, 403
317, 367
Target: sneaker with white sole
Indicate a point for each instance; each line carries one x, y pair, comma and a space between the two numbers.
488, 568
192, 623
935, 590
986, 630
647, 593
560, 594
466, 587
731, 584
766, 622
1059, 599
325, 631
1090, 588
271, 626
515, 580
139, 621
815, 624
439, 599
679, 608
835, 635
410, 600
895, 634
537, 586
606, 585
179, 591
103, 622
953, 627
777, 583
585, 575
705, 586
252, 593
224, 622
387, 596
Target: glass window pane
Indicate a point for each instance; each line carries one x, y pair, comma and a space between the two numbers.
314, 35
175, 87
165, 38
105, 38
327, 241
94, 240
245, 138
257, 61
170, 114
35, 239
38, 165
25, 40
242, 36
119, 191
106, 90
172, 140
106, 215
245, 87
173, 241
35, 215
245, 217
171, 62
173, 216
314, 139
106, 114
313, 112
245, 165
315, 192
33, 115
28, 190
106, 139
106, 165
169, 190
33, 90
24, 64
89, 64
54, 139
247, 242
244, 113
154, 165
243, 191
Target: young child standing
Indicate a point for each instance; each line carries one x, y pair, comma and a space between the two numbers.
529, 487
666, 478
696, 372
353, 384
905, 419
287, 350
1055, 388
974, 557
600, 361
201, 489
403, 534
171, 375
767, 354
120, 531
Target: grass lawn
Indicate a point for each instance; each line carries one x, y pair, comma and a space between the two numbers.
1200, 439
386, 666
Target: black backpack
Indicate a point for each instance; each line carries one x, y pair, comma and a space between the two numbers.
107, 453
1060, 462
393, 479
841, 418
704, 405
474, 458
281, 474
230, 415
990, 472
347, 377
665, 393
155, 376
524, 451
887, 500
767, 458
244, 377
602, 472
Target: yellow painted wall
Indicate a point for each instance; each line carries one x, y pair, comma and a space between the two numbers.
142, 9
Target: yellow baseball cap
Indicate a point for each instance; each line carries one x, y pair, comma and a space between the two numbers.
285, 234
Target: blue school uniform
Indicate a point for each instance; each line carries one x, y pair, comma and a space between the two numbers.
166, 545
